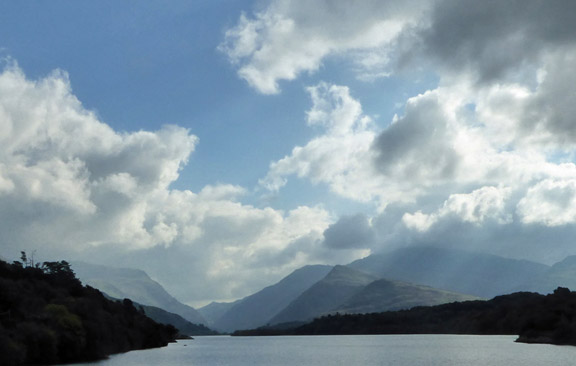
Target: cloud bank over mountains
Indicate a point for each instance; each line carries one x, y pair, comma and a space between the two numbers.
484, 160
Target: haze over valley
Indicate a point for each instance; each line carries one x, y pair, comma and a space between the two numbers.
401, 279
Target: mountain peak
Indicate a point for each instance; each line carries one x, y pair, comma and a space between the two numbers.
257, 309
337, 286
344, 274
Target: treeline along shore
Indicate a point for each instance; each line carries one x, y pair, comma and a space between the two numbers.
535, 318
47, 316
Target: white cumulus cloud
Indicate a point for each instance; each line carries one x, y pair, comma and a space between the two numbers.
551, 202
341, 155
72, 187
486, 203
289, 37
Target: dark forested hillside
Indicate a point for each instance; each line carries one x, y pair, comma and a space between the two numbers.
534, 317
47, 316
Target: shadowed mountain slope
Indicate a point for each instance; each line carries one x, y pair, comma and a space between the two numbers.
184, 326
325, 296
482, 275
385, 295
561, 274
215, 310
133, 284
257, 309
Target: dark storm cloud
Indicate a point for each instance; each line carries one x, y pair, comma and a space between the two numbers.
349, 232
417, 146
492, 38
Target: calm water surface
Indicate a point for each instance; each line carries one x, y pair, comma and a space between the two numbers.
403, 350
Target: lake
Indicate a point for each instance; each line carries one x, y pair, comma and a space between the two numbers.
381, 350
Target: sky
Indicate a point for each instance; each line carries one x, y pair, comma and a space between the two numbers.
219, 145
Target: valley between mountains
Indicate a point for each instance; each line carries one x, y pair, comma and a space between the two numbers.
401, 279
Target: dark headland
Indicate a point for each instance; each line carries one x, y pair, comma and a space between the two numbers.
47, 316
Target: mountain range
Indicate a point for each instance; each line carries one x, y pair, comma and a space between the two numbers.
386, 295
257, 309
400, 279
336, 287
346, 290
478, 274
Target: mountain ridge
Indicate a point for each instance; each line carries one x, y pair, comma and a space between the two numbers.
478, 274
336, 287
257, 309
386, 295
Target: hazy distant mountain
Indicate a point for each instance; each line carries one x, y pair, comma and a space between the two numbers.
561, 274
385, 295
133, 284
477, 274
257, 309
326, 295
214, 311
184, 326
159, 315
